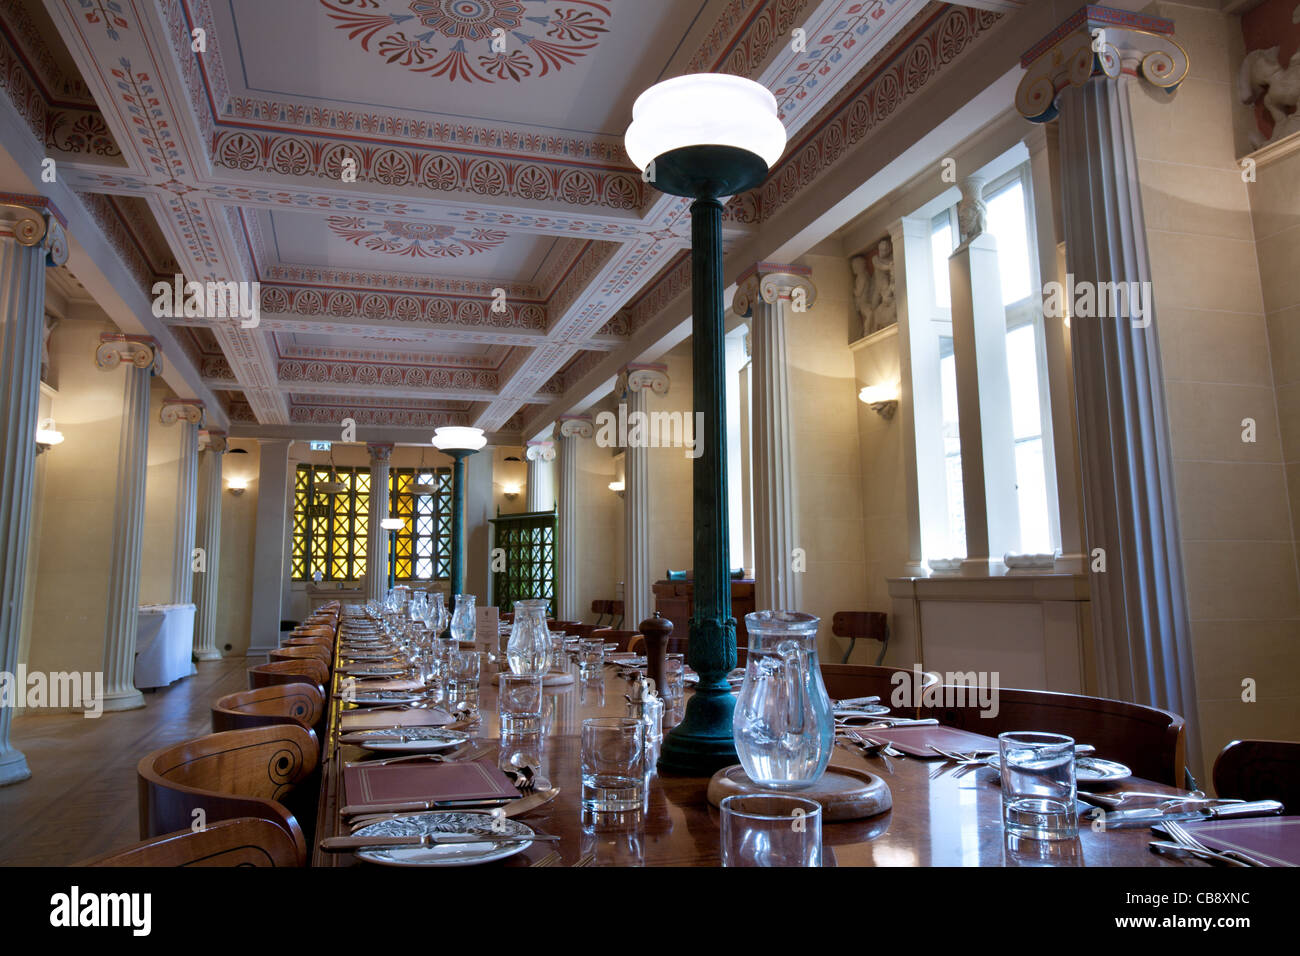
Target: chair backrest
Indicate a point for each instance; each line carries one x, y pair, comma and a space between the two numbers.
244, 841
846, 681
302, 652
237, 773
623, 639
1147, 739
301, 704
325, 642
1260, 770
870, 624
288, 672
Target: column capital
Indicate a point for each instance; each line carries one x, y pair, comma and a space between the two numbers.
575, 426
34, 221
380, 452
140, 350
1098, 42
540, 450
639, 378
771, 282
217, 441
189, 410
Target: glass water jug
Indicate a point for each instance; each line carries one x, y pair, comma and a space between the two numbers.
464, 621
529, 648
784, 726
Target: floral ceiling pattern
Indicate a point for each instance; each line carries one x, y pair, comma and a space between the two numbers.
419, 240
469, 41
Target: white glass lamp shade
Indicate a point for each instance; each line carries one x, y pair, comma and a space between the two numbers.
705, 109
458, 438
872, 394
392, 524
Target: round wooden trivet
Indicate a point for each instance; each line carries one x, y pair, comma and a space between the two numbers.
844, 793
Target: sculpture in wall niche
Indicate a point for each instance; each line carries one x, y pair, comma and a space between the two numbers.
50, 322
874, 288
1264, 80
972, 213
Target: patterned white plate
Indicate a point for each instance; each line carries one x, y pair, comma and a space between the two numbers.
383, 697
447, 821
375, 670
426, 739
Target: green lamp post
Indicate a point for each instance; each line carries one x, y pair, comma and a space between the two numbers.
459, 442
706, 136
392, 526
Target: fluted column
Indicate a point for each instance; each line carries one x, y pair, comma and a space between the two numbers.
569, 430
767, 293
209, 535
635, 383
189, 412
31, 239
377, 548
540, 491
1139, 600
141, 358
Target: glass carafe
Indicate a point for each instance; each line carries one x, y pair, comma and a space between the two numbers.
784, 726
464, 621
529, 648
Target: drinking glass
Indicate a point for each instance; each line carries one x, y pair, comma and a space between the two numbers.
559, 660
592, 657
771, 830
520, 703
674, 676
1038, 789
613, 764
463, 674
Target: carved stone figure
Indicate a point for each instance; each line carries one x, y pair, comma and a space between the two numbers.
873, 290
1263, 79
972, 214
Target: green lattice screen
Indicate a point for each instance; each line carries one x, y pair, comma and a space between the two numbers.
529, 544
329, 531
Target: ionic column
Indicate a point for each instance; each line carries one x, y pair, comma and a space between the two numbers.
1139, 600
189, 412
540, 491
142, 360
377, 548
569, 430
767, 293
209, 533
635, 383
31, 239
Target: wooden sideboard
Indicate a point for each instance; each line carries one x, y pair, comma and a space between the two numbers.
675, 600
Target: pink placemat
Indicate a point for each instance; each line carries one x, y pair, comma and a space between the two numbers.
1271, 840
917, 741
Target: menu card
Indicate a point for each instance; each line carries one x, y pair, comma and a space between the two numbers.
408, 782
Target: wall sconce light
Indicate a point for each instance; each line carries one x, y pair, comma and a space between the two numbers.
237, 486
511, 492
618, 487
883, 398
47, 435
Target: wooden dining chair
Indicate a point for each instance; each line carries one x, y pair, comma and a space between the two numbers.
237, 773
325, 642
243, 841
288, 672
861, 624
1150, 741
846, 681
1260, 770
303, 652
301, 704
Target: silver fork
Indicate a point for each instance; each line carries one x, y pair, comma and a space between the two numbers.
1182, 837
586, 859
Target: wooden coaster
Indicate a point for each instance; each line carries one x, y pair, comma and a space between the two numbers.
845, 793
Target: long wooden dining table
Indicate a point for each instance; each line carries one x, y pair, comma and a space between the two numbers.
940, 816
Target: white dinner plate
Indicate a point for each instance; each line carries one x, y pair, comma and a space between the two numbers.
375, 670
384, 697
446, 821
1087, 770
427, 739
865, 710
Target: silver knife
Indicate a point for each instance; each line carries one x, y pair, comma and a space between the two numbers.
1124, 819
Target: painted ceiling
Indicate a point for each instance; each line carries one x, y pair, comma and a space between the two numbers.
495, 243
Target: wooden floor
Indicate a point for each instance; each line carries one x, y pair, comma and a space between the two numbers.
81, 798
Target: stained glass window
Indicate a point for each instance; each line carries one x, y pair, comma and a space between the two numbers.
330, 530
422, 498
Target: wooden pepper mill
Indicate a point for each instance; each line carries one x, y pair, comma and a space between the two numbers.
656, 631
